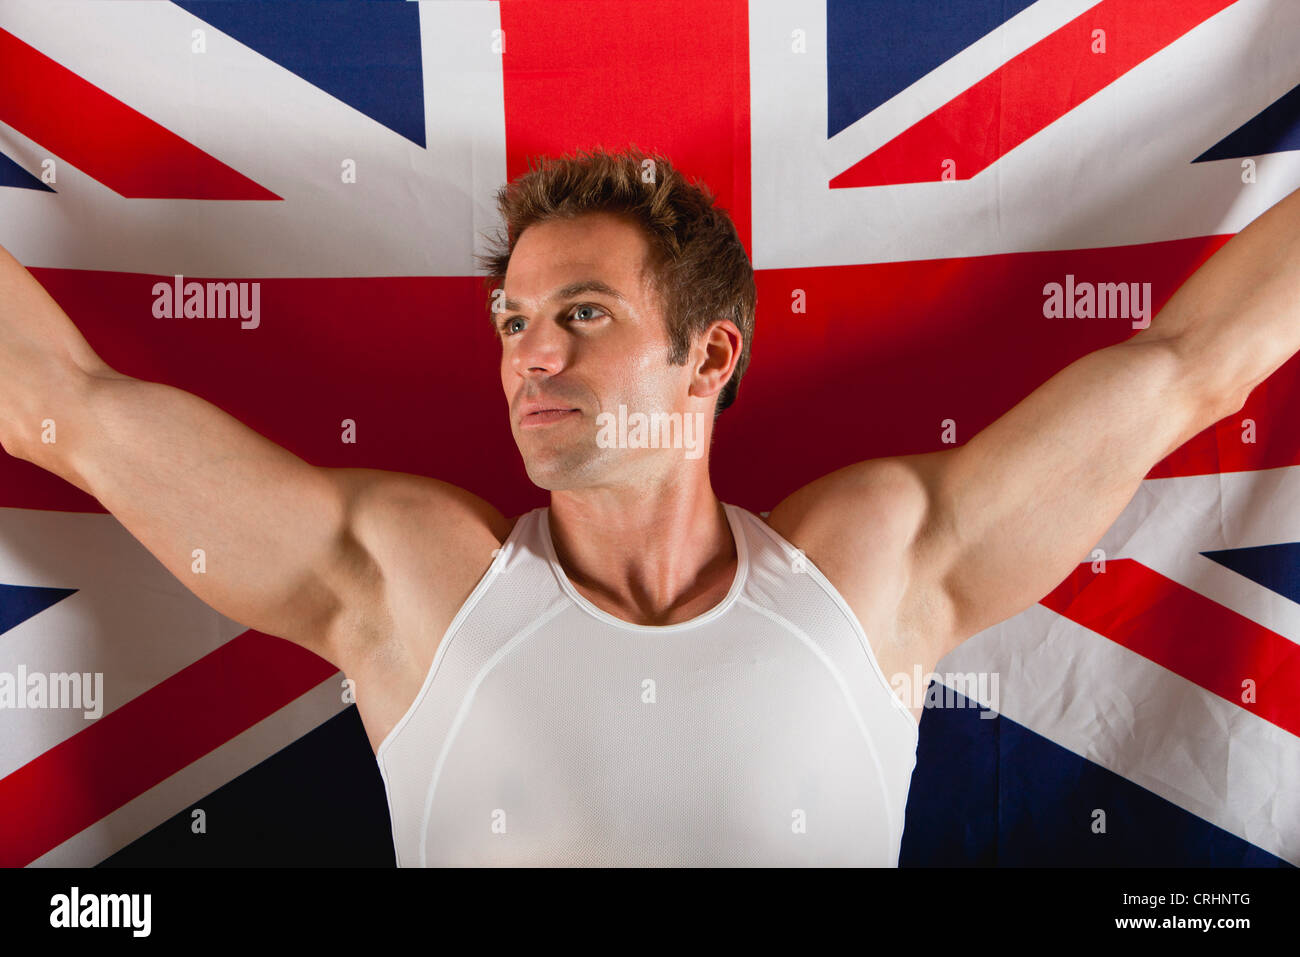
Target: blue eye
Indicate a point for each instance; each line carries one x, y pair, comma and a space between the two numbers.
505, 326
595, 309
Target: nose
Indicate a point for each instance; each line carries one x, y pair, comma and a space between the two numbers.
541, 348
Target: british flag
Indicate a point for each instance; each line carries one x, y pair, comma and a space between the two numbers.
914, 176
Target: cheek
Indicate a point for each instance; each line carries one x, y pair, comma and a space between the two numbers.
651, 356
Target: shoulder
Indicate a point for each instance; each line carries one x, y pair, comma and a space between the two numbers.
868, 505
422, 543
385, 505
862, 527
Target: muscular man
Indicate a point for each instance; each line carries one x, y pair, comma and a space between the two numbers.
640, 674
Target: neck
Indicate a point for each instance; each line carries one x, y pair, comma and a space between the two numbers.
649, 556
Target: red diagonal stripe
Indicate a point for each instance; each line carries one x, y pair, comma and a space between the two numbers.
148, 739
1182, 630
103, 137
1030, 91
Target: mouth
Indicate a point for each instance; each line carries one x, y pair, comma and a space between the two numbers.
544, 417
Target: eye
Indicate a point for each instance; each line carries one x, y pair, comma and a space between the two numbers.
585, 312
577, 311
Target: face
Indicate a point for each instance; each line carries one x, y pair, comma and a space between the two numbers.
569, 353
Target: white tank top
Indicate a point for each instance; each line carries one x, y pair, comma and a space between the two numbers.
550, 733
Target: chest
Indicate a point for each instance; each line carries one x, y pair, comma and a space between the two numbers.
567, 751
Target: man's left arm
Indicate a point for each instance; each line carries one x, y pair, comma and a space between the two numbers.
1008, 515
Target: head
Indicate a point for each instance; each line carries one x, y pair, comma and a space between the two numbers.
616, 283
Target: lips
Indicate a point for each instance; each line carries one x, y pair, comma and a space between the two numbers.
542, 412
547, 415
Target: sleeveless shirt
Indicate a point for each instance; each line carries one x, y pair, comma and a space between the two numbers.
549, 732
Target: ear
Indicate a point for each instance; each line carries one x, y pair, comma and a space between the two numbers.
714, 356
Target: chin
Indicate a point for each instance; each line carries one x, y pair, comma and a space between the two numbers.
555, 471
558, 470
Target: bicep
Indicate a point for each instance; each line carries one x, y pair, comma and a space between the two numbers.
1013, 511
255, 532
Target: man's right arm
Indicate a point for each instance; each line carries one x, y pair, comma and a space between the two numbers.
284, 543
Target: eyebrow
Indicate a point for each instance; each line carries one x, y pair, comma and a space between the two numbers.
570, 291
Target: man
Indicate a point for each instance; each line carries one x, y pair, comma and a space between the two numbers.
638, 674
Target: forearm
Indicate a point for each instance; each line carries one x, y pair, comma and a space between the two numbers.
46, 425
1237, 319
45, 363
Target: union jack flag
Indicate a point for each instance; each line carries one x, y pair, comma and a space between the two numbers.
915, 175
